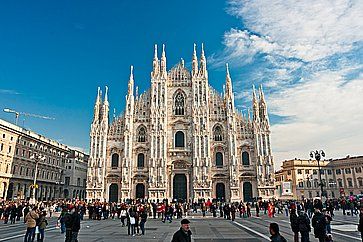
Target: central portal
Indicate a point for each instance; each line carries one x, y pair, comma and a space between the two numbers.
180, 187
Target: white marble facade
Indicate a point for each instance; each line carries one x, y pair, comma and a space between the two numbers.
180, 140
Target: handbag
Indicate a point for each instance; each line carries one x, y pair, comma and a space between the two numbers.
132, 220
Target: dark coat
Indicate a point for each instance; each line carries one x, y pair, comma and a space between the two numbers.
294, 222
304, 223
181, 236
76, 222
319, 224
277, 238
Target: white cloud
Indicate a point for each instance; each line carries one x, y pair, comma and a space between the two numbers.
9, 92
306, 49
325, 112
308, 30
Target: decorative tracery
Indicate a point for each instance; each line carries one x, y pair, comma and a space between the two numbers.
141, 135
179, 104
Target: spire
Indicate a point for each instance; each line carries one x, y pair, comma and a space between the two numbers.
97, 105
203, 63
182, 62
194, 62
255, 105
131, 82
137, 92
163, 62
263, 107
106, 97
228, 81
156, 69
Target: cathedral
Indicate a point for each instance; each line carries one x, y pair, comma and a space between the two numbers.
180, 140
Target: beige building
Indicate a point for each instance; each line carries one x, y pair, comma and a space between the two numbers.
75, 175
299, 179
18, 147
21, 149
180, 139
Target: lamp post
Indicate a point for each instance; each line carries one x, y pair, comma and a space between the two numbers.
317, 155
36, 158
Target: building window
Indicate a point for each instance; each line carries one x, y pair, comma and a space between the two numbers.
299, 171
338, 171
179, 139
340, 182
350, 182
347, 171
219, 159
316, 184
360, 182
141, 135
245, 158
315, 172
307, 172
301, 184
179, 104
1, 147
218, 133
322, 171
329, 172
289, 172
331, 183
358, 169
114, 162
308, 183
67, 180
140, 160
78, 182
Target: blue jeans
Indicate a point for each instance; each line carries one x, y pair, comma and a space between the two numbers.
142, 227
40, 236
29, 235
63, 228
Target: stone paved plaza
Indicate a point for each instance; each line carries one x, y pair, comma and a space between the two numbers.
203, 229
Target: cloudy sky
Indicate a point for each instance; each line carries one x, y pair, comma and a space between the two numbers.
307, 54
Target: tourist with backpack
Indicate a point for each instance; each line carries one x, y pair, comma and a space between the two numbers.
31, 223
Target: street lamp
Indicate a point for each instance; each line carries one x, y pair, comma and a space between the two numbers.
36, 158
317, 155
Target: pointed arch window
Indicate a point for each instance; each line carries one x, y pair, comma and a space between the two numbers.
245, 158
219, 159
141, 135
114, 161
179, 139
179, 104
140, 160
218, 133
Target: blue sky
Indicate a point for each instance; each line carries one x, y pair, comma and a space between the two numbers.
308, 56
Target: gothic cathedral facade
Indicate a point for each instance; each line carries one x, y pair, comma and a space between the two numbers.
180, 140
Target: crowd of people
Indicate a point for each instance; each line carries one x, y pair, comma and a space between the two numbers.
305, 216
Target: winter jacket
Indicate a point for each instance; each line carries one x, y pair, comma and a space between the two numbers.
181, 236
31, 218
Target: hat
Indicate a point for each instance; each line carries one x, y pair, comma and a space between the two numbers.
185, 221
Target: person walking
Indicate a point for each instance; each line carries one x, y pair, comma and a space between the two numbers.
123, 215
31, 223
304, 226
143, 218
319, 225
294, 224
42, 224
275, 233
76, 224
68, 224
183, 234
360, 225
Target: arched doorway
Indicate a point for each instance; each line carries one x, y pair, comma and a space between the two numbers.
113, 193
9, 196
140, 191
247, 192
66, 193
180, 187
4, 190
220, 191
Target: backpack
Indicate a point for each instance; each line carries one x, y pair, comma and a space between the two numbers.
67, 219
